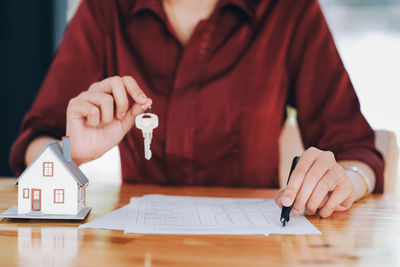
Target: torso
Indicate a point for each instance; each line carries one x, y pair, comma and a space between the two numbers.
220, 104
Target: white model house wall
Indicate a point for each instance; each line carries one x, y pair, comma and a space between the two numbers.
33, 179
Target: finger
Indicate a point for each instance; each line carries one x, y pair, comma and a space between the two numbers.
106, 85
120, 97
321, 166
134, 90
115, 86
297, 177
129, 120
79, 108
324, 200
278, 198
340, 194
321, 190
104, 101
345, 205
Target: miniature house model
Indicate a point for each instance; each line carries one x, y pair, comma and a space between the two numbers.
52, 183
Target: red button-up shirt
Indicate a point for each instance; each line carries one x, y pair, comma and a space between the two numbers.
220, 98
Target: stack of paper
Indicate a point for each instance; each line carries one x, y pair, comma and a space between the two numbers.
161, 214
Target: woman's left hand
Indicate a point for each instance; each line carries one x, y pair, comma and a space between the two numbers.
317, 183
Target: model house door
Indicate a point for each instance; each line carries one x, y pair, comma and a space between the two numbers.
36, 199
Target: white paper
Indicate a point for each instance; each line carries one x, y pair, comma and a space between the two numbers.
160, 214
113, 221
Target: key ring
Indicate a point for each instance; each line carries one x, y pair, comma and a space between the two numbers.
148, 109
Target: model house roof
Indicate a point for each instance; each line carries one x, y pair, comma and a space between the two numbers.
69, 165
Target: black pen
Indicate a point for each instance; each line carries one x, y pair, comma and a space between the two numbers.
285, 214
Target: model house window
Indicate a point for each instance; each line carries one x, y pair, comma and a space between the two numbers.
48, 168
58, 195
25, 193
36, 194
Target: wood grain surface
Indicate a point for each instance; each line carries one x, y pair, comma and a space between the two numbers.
367, 235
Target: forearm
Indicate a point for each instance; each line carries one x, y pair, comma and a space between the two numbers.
35, 147
360, 186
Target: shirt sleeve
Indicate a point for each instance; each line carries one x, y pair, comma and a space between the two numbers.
328, 109
78, 63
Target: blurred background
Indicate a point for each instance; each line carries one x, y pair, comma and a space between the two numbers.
367, 34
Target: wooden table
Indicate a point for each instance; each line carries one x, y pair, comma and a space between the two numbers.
367, 235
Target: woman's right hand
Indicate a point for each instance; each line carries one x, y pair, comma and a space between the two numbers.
99, 118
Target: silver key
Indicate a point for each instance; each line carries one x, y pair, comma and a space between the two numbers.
147, 122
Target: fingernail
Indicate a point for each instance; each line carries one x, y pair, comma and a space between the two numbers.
142, 98
295, 212
286, 201
121, 116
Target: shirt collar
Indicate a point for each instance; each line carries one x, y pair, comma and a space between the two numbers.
247, 6
152, 5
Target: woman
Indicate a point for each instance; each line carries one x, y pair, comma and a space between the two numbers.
219, 75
